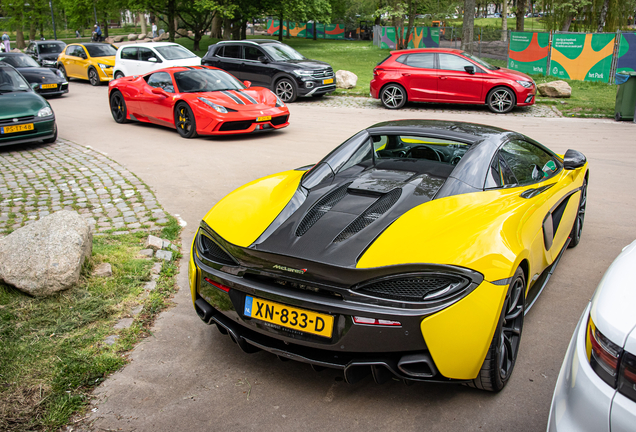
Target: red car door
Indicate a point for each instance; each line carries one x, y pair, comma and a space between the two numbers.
419, 76
158, 108
455, 84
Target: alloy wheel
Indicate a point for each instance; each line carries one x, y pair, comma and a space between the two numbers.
501, 101
285, 90
511, 329
92, 77
118, 108
393, 97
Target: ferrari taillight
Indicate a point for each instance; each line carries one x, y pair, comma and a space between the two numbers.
603, 354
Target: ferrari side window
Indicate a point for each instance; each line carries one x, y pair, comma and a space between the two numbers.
528, 163
163, 80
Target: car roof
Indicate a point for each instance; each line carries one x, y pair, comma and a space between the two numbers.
48, 41
425, 50
251, 41
11, 54
466, 132
151, 44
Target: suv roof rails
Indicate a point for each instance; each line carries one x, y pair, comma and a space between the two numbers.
252, 41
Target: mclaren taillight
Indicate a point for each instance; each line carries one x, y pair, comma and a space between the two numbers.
218, 285
375, 321
627, 376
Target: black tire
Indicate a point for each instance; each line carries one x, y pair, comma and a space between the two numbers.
184, 120
119, 74
502, 353
393, 96
577, 228
286, 90
62, 69
54, 137
501, 100
93, 77
118, 107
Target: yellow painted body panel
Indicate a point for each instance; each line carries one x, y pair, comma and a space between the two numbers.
192, 271
77, 67
458, 337
243, 215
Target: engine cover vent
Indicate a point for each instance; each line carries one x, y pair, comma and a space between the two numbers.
370, 215
322, 206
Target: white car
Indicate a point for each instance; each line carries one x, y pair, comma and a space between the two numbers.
596, 388
141, 58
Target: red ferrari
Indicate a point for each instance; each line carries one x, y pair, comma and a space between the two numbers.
449, 76
196, 100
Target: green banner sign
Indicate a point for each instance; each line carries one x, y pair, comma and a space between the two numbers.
583, 57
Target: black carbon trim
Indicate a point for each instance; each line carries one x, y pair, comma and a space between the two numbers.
502, 282
370, 215
234, 98
531, 193
321, 207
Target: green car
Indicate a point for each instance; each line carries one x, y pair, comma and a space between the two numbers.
25, 116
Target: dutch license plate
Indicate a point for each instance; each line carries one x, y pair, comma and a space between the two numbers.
264, 118
48, 86
17, 128
289, 317
327, 81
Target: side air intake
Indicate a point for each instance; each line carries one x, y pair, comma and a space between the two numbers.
213, 252
370, 215
322, 206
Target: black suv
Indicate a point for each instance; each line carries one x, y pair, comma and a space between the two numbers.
45, 52
269, 63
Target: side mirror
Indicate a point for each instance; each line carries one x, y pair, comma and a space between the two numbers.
35, 86
573, 159
247, 83
263, 59
159, 91
153, 59
470, 69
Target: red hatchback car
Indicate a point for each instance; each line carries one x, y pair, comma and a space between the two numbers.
449, 76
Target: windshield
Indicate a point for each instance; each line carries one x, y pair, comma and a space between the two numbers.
480, 62
175, 52
51, 48
205, 80
11, 80
104, 50
280, 52
19, 61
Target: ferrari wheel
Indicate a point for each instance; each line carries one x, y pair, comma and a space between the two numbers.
93, 78
502, 354
393, 96
118, 107
577, 228
63, 70
119, 74
184, 121
286, 90
501, 100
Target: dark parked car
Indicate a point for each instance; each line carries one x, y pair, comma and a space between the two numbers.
50, 81
45, 52
269, 63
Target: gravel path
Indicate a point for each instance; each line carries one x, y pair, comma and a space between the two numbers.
40, 179
424, 108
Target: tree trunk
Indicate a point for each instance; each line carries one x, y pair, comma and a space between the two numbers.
19, 39
280, 27
315, 30
32, 31
567, 22
197, 39
227, 28
603, 17
244, 30
504, 21
469, 24
106, 26
216, 27
236, 30
142, 22
171, 15
521, 12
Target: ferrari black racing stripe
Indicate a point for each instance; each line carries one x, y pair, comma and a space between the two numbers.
246, 96
234, 98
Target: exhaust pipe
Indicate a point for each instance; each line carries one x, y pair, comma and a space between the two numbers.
417, 365
204, 310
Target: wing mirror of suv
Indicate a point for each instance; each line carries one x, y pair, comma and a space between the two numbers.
159, 91
248, 84
470, 69
263, 59
573, 159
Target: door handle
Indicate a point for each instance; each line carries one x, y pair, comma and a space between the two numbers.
406, 74
443, 77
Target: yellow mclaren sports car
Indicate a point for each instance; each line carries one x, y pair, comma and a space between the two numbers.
413, 250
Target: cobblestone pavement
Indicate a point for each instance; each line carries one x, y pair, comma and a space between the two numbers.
37, 180
425, 108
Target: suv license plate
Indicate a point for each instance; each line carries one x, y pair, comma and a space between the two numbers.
289, 317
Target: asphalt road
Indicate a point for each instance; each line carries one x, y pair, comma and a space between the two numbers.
189, 376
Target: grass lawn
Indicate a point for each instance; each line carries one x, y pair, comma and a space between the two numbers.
52, 350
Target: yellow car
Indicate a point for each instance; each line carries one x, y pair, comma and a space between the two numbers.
89, 61
413, 250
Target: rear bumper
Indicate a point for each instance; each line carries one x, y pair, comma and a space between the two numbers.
41, 130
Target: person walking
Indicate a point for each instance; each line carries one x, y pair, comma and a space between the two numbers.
7, 42
154, 30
